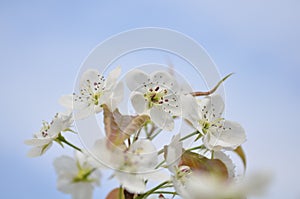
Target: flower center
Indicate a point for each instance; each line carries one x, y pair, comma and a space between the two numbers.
155, 96
82, 175
183, 173
96, 98
45, 128
205, 125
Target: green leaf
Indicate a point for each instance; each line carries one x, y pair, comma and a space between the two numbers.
198, 162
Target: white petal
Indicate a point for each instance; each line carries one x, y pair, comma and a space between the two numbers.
161, 118
64, 184
172, 104
96, 176
136, 79
66, 101
38, 151
139, 102
92, 75
204, 185
156, 175
38, 141
143, 146
85, 113
174, 152
180, 188
229, 136
112, 78
114, 97
60, 122
212, 107
163, 78
65, 164
104, 157
131, 182
82, 190
144, 154
82, 159
189, 107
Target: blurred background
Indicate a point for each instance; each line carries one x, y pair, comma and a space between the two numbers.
43, 43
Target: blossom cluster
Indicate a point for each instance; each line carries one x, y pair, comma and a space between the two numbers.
204, 170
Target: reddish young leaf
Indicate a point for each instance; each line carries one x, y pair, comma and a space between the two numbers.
116, 193
198, 162
120, 127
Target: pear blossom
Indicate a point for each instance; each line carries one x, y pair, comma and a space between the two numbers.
207, 186
157, 97
180, 173
217, 132
156, 94
133, 166
95, 91
191, 184
76, 176
49, 132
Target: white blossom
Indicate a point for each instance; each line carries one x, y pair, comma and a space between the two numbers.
43, 139
180, 173
156, 94
207, 186
95, 91
133, 166
218, 133
76, 176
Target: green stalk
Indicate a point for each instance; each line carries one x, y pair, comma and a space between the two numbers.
60, 139
151, 191
190, 135
165, 192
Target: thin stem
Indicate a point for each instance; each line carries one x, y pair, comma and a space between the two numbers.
160, 164
120, 192
195, 148
165, 192
160, 151
61, 138
145, 195
71, 145
188, 136
151, 131
160, 130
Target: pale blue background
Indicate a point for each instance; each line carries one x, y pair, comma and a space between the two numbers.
42, 44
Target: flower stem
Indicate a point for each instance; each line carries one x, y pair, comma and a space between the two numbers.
61, 138
164, 192
151, 191
120, 193
197, 147
162, 162
190, 135
71, 145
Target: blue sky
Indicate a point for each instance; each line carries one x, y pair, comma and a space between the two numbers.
43, 44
